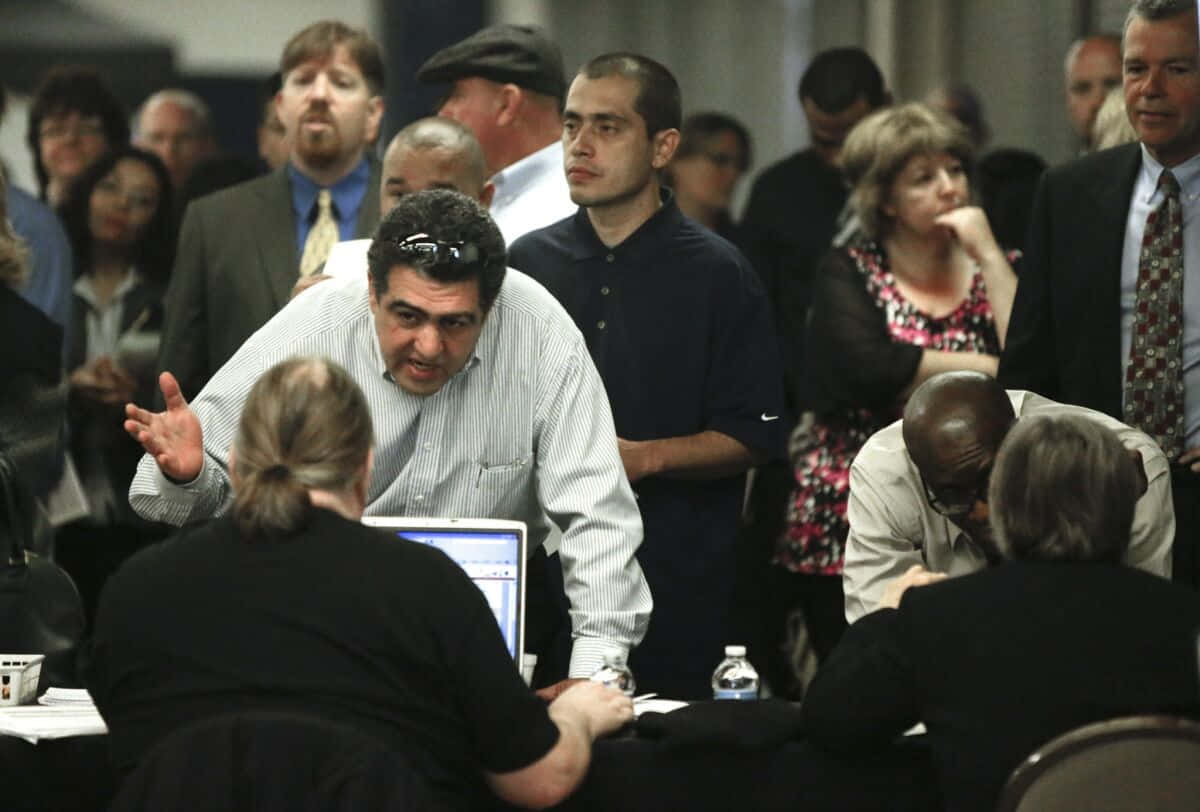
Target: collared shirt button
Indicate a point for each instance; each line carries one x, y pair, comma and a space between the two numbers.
610, 258
602, 324
428, 446
419, 497
604, 290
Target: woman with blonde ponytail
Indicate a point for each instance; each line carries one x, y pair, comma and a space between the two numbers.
304, 440
289, 602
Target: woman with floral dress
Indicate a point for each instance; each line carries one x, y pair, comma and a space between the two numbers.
922, 288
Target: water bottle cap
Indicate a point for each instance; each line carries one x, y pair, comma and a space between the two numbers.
735, 651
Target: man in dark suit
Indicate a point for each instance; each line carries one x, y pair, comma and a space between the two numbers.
241, 250
998, 662
1077, 309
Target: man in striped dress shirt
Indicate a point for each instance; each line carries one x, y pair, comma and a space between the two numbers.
484, 399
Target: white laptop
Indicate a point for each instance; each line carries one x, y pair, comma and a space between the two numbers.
490, 551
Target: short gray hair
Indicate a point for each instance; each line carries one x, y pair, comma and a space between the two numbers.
1156, 10
439, 132
201, 115
1063, 489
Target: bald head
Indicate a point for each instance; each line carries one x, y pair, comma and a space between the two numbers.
952, 413
953, 426
1092, 68
433, 153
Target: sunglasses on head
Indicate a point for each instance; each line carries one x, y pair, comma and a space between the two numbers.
425, 250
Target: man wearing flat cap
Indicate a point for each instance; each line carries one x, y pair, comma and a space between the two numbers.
507, 86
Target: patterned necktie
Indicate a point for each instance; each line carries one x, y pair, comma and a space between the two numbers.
1154, 377
321, 237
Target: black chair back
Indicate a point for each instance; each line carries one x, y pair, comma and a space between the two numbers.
1131, 764
261, 761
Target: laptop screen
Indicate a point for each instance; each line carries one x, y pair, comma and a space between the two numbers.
491, 552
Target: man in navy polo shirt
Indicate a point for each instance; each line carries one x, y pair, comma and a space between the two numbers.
680, 330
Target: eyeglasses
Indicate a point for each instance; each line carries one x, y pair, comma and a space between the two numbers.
956, 500
57, 130
425, 250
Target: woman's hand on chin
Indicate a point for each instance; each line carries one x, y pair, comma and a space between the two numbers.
970, 228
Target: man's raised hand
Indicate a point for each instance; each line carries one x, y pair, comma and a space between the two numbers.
172, 437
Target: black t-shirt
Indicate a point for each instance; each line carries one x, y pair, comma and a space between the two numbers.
338, 620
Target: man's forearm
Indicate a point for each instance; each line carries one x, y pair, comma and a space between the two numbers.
706, 455
555, 775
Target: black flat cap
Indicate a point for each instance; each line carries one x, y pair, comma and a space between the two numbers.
521, 54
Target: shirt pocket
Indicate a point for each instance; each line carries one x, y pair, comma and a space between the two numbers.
503, 489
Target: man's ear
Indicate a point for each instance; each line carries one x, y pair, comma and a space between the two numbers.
372, 298
509, 99
1140, 467
665, 144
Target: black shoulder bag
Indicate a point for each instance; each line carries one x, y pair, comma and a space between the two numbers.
40, 608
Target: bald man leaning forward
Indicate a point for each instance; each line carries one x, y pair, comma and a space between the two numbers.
918, 506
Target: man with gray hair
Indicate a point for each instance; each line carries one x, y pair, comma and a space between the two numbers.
1103, 317
176, 126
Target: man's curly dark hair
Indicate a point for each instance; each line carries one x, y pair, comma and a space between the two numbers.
449, 217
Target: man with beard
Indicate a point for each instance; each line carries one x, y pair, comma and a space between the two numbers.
242, 250
918, 505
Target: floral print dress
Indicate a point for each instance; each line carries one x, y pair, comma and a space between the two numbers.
815, 531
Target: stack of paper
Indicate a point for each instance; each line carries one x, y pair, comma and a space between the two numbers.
74, 697
62, 712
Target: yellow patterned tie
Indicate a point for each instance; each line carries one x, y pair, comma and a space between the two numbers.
321, 237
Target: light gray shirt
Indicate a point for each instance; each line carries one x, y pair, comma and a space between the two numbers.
1146, 198
524, 427
531, 193
892, 525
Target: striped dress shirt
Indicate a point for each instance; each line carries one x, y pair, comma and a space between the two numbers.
523, 428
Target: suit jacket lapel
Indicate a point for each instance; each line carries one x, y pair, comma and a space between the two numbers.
368, 212
276, 241
1104, 242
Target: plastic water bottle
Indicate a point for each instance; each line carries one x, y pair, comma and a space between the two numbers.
735, 678
615, 673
